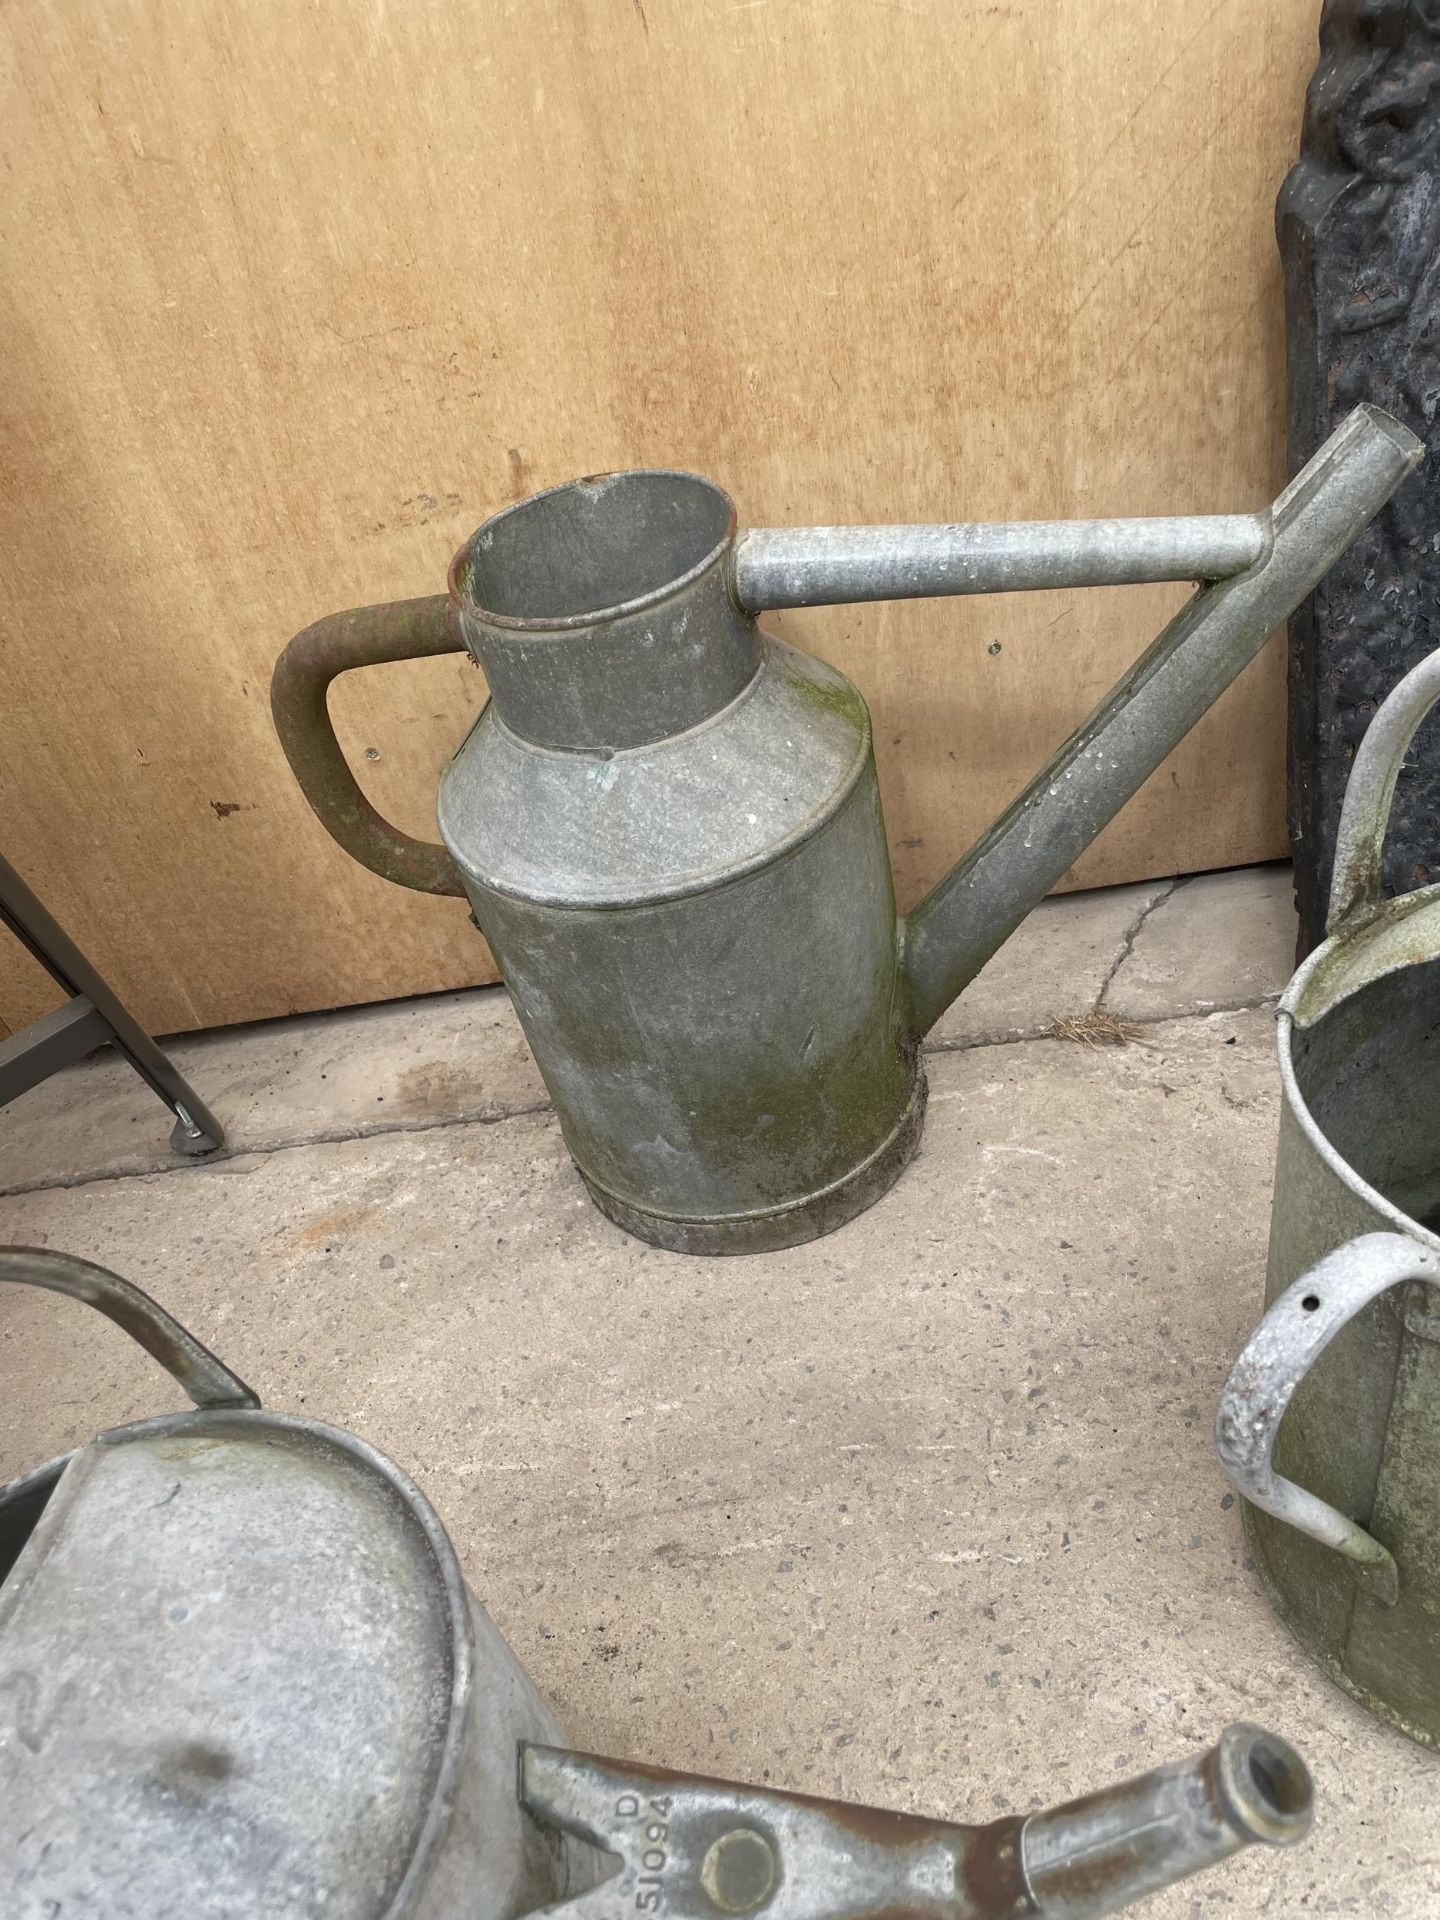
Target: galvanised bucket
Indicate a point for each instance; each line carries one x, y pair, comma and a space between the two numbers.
1330, 1421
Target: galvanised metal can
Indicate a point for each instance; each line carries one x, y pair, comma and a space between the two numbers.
1330, 1421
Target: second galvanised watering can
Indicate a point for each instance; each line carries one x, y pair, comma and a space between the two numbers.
241, 1676
668, 826
1330, 1421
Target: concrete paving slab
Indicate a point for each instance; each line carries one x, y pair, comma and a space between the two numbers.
1220, 939
405, 1064
923, 1513
461, 1057
1054, 966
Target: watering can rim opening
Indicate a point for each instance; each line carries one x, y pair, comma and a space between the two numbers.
699, 545
1265, 1784
1360, 952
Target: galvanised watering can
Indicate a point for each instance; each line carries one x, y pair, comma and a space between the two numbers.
668, 826
241, 1675
1330, 1421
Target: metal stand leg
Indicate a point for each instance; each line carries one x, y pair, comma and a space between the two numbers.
92, 1017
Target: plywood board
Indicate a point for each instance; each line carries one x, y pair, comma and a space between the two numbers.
295, 296
26, 989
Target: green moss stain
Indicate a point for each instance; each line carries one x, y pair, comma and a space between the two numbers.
835, 697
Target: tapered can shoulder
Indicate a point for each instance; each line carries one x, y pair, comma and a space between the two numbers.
677, 816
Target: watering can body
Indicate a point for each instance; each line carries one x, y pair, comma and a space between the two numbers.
668, 825
699, 934
1330, 1421
241, 1675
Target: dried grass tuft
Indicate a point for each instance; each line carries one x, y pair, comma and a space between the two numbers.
1096, 1029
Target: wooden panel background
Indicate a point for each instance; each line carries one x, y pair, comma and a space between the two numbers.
296, 293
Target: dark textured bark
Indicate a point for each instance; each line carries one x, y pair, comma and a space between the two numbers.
1358, 221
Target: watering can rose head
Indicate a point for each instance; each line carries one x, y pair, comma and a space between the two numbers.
667, 822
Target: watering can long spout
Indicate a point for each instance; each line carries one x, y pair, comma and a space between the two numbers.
695, 1849
1258, 568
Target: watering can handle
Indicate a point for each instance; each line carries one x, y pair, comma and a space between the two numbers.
1294, 1333
207, 1381
1355, 885
364, 637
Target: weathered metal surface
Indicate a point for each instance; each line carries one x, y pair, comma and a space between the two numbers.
1353, 1565
364, 637
691, 1848
1294, 1333
240, 1673
700, 942
977, 905
831, 566
602, 611
668, 824
242, 1676
208, 1382
1358, 222
1366, 820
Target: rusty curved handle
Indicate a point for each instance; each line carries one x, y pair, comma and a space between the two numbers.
207, 1381
363, 637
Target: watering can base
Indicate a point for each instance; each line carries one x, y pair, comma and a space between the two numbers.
1258, 1527
795, 1221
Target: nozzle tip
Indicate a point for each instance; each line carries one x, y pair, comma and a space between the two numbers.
1406, 442
1265, 1785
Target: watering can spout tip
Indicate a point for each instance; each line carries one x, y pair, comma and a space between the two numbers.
1264, 1785
1406, 442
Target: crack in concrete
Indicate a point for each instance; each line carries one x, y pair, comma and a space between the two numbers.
229, 1156
338, 1136
1127, 943
1022, 1035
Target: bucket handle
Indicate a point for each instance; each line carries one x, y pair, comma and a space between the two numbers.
1295, 1331
207, 1381
364, 637
1355, 884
